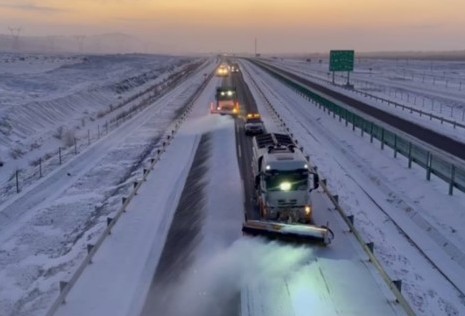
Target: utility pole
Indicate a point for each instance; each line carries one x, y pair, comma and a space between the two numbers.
15, 32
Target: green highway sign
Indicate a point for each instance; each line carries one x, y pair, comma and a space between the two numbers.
341, 60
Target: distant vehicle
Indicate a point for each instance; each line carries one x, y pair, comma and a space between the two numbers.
226, 101
222, 71
234, 68
281, 173
254, 124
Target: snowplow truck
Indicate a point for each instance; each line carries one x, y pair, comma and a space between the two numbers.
222, 71
282, 191
226, 101
253, 124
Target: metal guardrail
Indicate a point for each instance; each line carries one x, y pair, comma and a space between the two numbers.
368, 247
21, 179
404, 107
66, 286
445, 168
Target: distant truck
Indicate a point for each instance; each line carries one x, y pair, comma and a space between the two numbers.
254, 124
226, 101
222, 71
234, 67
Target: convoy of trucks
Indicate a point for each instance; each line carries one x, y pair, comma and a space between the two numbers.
282, 177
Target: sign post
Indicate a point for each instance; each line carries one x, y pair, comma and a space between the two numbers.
341, 60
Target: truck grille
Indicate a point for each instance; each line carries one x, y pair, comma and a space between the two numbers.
290, 202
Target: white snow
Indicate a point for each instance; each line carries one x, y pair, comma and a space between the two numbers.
367, 179
404, 84
123, 267
43, 108
46, 227
274, 279
389, 201
139, 236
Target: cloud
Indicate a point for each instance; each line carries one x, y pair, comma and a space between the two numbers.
30, 7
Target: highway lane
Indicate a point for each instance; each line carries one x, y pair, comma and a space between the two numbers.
185, 242
189, 235
329, 291
440, 141
183, 238
244, 144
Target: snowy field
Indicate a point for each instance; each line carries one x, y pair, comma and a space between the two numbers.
432, 87
47, 102
270, 278
412, 222
45, 228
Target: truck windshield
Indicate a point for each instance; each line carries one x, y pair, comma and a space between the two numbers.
253, 120
287, 181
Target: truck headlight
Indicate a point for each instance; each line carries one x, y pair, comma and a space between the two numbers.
285, 186
308, 209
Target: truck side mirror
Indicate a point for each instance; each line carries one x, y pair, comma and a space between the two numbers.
316, 181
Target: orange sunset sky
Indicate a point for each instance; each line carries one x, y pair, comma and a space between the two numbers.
280, 26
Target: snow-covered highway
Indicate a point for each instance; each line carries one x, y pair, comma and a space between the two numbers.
393, 206
206, 268
44, 229
178, 247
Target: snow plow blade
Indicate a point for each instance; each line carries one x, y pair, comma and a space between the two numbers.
298, 233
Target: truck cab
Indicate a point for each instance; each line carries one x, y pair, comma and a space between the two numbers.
226, 101
253, 124
282, 179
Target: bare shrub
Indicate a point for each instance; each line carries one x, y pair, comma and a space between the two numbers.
68, 138
16, 153
35, 145
35, 162
59, 133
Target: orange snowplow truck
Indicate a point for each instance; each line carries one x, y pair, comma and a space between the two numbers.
225, 102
